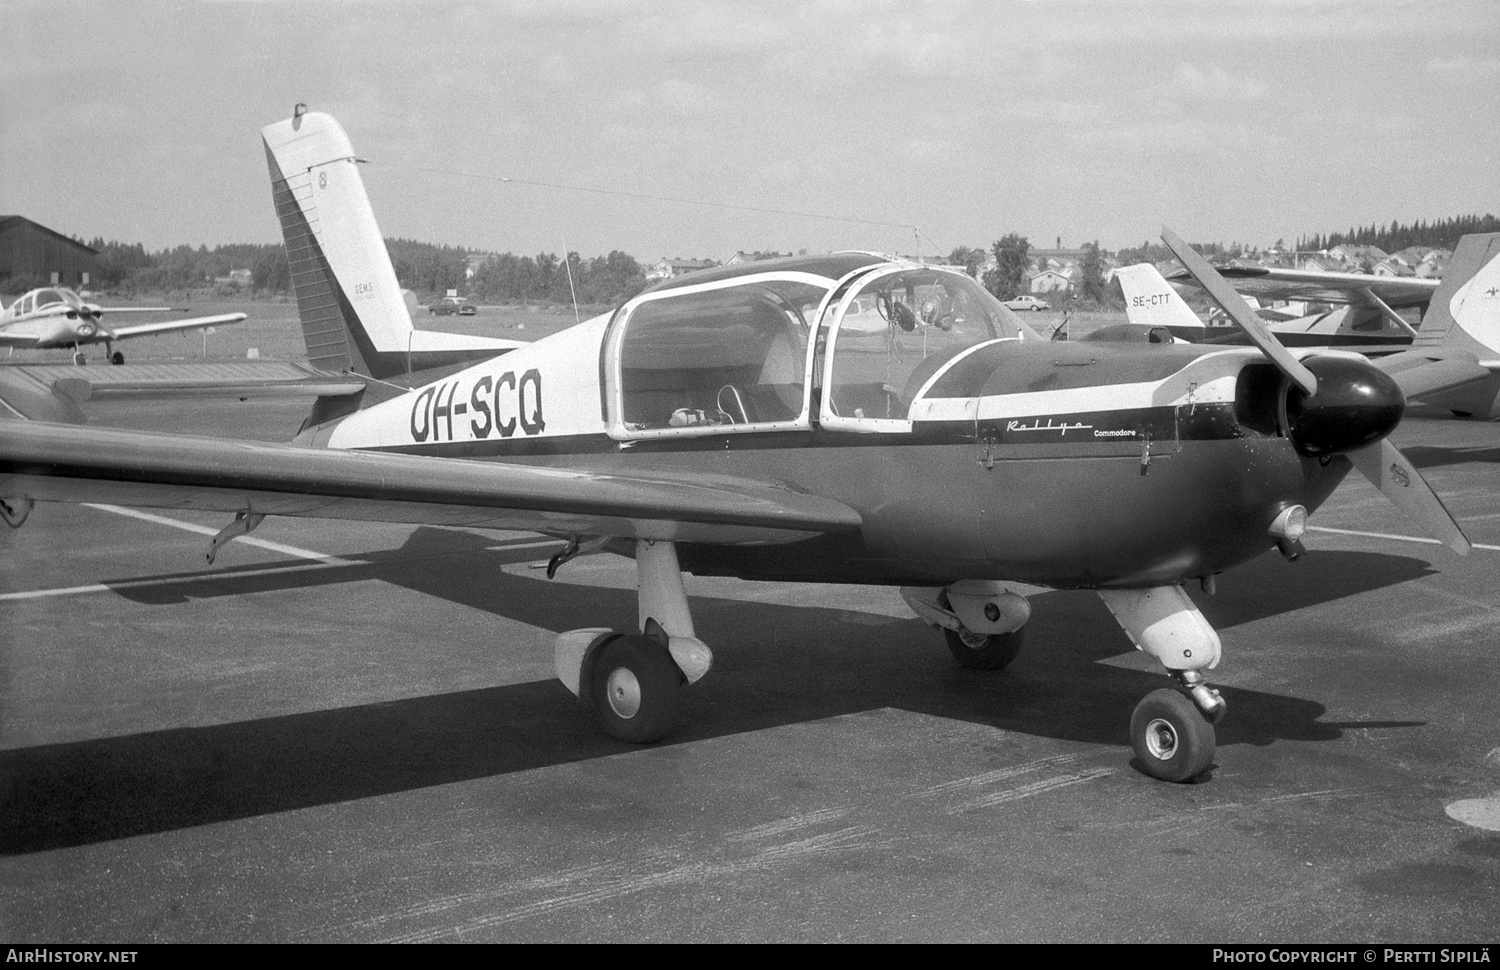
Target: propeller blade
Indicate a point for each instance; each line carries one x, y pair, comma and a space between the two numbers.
1398, 480
1239, 311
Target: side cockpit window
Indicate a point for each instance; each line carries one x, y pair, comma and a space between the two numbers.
724, 358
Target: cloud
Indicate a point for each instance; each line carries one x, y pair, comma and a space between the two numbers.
1189, 82
1460, 64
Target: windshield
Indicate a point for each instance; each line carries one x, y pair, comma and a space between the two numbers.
899, 328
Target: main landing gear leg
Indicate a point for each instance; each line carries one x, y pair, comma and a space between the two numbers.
1171, 731
632, 682
981, 620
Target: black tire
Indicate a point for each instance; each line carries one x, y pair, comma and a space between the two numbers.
976, 651
118, 357
1172, 739
635, 689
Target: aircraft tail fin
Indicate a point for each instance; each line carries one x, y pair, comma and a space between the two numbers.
1465, 310
354, 315
1151, 301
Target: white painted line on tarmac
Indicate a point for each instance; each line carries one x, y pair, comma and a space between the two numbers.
209, 531
1389, 535
36, 594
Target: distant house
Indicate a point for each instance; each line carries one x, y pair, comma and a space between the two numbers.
237, 278
1357, 257
1050, 281
1391, 266
755, 257
473, 261
29, 249
1433, 264
666, 269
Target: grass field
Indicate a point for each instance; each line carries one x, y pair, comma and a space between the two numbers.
272, 331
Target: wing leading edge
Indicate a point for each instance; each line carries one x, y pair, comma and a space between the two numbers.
59, 463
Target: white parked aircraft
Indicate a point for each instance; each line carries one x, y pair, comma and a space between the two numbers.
54, 317
57, 317
1151, 300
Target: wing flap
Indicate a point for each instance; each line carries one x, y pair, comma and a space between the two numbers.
58, 463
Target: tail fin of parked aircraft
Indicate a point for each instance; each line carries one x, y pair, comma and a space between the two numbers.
1152, 302
354, 315
1465, 310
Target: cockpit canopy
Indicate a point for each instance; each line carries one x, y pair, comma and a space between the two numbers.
45, 298
750, 351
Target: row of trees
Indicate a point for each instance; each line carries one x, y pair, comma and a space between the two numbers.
433, 269
424, 268
1440, 234
546, 278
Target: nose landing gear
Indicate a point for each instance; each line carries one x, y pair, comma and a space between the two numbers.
1171, 730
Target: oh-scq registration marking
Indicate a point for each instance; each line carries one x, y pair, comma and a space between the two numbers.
495, 406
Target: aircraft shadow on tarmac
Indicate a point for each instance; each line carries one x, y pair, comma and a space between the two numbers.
774, 665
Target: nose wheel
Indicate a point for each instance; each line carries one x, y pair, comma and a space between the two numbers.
1172, 739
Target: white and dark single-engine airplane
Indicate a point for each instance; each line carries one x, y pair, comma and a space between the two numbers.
729, 423
55, 317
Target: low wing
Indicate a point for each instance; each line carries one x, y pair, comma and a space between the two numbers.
17, 338
59, 463
1313, 286
1427, 372
192, 323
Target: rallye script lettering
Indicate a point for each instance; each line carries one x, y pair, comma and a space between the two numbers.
496, 406
1037, 425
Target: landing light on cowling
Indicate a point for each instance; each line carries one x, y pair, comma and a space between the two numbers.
1287, 530
85, 329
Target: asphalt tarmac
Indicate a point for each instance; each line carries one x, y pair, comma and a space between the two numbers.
352, 732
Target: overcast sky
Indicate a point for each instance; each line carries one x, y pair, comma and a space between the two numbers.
1080, 119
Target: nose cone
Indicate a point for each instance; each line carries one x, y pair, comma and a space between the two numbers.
1356, 404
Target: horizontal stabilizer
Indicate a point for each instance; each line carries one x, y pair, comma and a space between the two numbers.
248, 379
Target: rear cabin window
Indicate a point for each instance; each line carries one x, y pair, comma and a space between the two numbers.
717, 359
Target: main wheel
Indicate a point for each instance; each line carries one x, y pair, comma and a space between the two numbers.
635, 689
979, 651
1172, 739
118, 357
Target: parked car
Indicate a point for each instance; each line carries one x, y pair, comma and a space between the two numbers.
452, 305
1027, 302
